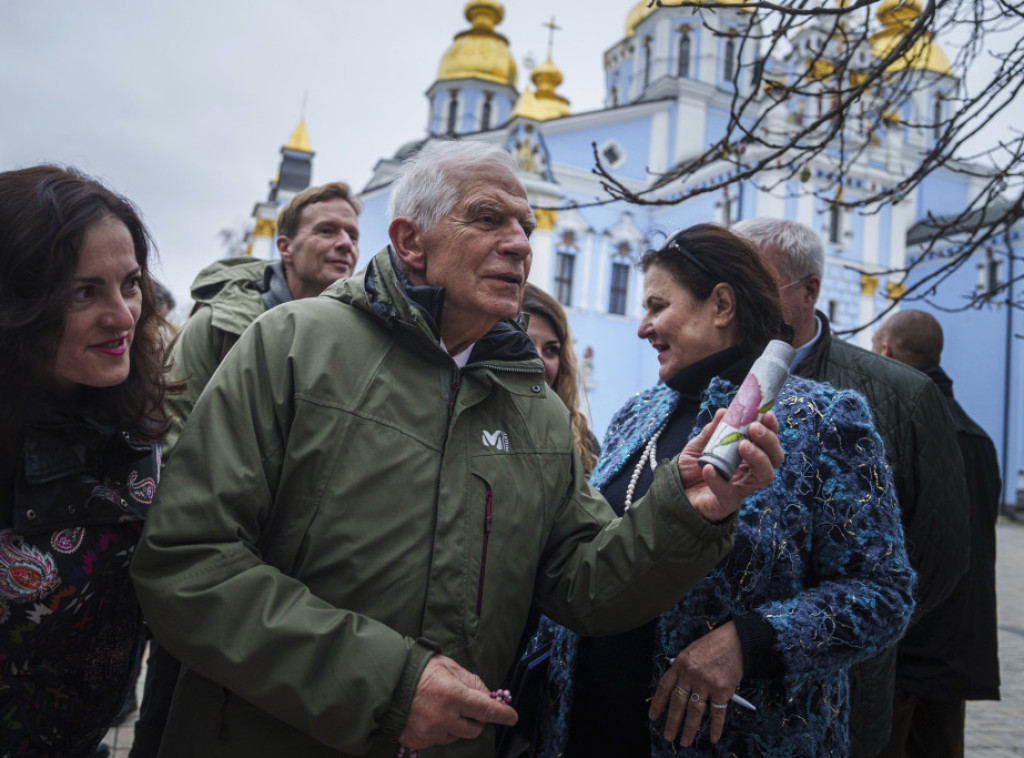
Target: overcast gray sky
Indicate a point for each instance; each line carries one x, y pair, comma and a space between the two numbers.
183, 106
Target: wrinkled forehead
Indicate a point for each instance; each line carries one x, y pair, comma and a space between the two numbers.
481, 180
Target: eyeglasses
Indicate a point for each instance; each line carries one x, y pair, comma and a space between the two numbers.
674, 243
796, 282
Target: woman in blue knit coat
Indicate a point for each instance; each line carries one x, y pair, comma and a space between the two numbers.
818, 577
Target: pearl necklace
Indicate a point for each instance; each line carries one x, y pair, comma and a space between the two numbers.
650, 454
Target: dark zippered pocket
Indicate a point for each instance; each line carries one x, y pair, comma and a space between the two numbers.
483, 553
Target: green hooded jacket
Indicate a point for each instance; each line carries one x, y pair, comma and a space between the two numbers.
229, 295
344, 502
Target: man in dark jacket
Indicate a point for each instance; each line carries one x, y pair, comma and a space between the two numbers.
920, 444
950, 655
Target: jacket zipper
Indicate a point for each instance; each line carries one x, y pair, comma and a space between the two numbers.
483, 554
509, 369
455, 393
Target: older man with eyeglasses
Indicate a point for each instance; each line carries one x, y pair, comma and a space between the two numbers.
920, 441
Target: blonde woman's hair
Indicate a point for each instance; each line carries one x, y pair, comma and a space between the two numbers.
537, 302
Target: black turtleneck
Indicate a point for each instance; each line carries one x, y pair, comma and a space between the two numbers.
731, 364
613, 674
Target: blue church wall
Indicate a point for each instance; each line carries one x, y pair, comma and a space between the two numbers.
620, 77
615, 363
573, 149
748, 200
841, 285
373, 225
716, 124
700, 210
884, 241
622, 363
943, 193
634, 136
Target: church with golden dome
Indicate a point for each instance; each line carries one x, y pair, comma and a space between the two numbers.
670, 83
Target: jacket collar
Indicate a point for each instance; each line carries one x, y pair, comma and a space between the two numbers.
387, 293
808, 367
273, 288
940, 377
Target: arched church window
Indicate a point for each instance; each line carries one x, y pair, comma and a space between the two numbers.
937, 117
565, 266
684, 54
617, 294
729, 70
453, 114
835, 224
647, 61
485, 115
990, 278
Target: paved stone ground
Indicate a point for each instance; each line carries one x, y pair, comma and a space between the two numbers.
994, 729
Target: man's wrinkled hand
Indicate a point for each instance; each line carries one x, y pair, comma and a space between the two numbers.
450, 704
711, 495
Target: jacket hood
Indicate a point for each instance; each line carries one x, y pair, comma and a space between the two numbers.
385, 291
237, 289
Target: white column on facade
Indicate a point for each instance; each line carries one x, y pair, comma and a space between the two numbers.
805, 211
588, 264
872, 241
602, 274
869, 284
902, 219
636, 301
768, 204
662, 38
542, 243
690, 128
657, 156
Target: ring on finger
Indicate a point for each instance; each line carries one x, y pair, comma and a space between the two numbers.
719, 706
685, 693
695, 698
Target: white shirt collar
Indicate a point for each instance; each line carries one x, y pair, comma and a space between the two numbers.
804, 350
462, 358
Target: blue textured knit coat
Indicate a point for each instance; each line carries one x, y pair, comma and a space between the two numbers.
819, 554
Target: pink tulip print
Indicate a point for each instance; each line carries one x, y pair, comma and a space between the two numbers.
743, 410
745, 406
755, 396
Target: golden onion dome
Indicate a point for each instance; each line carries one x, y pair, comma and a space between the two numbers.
638, 13
544, 104
645, 8
480, 52
897, 18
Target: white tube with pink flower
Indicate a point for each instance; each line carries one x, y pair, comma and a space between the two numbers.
755, 398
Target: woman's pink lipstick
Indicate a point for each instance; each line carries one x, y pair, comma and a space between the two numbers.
112, 347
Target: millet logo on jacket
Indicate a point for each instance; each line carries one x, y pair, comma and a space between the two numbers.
496, 439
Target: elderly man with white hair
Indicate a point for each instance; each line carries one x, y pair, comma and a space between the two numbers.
377, 484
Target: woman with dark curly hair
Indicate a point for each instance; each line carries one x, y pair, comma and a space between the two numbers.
818, 576
81, 413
